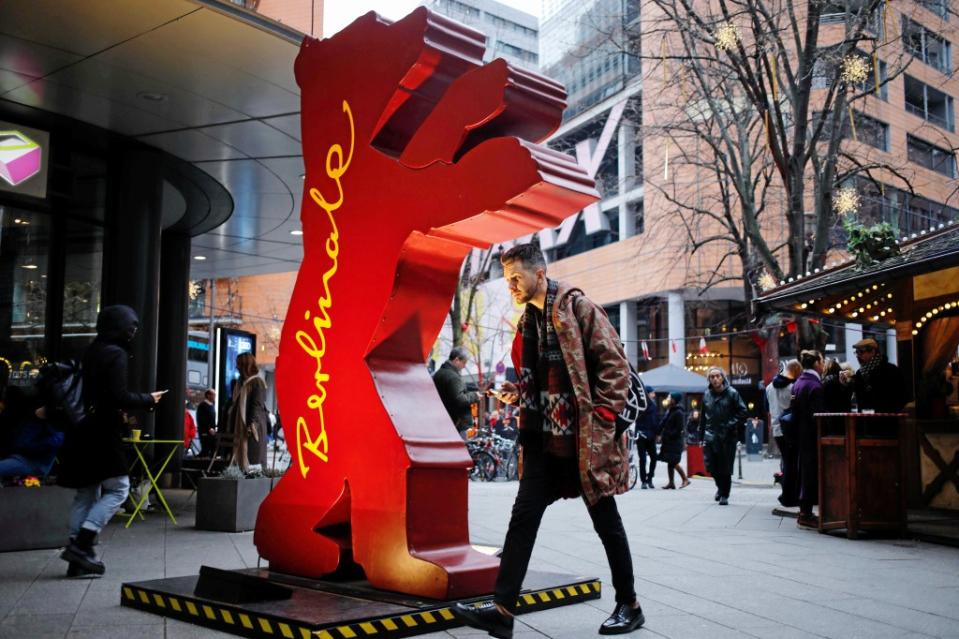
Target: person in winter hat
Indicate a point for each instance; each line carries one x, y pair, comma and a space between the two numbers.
93, 460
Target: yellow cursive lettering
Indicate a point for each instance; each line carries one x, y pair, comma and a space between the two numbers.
315, 345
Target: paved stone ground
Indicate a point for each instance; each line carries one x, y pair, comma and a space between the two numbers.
702, 571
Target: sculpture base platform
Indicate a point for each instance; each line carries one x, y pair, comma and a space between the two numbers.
315, 609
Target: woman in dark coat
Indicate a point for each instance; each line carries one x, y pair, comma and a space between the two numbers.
837, 396
673, 436
248, 416
93, 459
723, 417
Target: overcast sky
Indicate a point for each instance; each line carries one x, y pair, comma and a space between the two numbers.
339, 13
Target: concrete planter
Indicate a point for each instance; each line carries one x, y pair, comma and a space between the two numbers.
34, 518
229, 505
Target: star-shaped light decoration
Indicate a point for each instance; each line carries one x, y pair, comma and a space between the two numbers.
846, 201
194, 289
766, 282
855, 69
727, 36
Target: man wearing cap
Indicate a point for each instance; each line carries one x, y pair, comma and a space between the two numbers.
878, 383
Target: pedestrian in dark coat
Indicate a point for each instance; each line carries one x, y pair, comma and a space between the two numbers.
456, 399
837, 396
723, 417
672, 433
807, 401
878, 383
647, 430
93, 459
206, 424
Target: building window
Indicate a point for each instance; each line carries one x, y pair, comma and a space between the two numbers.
906, 212
930, 156
841, 11
929, 104
938, 7
926, 46
869, 130
454, 6
639, 217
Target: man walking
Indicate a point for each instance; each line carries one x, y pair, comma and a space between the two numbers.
573, 379
647, 430
93, 459
452, 390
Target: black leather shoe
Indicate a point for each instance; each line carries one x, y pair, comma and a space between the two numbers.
624, 619
723, 501
485, 616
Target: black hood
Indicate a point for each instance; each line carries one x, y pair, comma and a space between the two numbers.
117, 325
781, 381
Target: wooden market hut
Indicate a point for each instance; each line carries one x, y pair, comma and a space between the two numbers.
917, 294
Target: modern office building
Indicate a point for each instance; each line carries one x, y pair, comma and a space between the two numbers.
142, 145
634, 259
510, 33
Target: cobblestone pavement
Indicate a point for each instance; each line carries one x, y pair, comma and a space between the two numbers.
702, 571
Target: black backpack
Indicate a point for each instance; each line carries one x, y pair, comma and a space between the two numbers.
637, 402
61, 388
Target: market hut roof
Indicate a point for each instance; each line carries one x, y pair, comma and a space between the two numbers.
920, 253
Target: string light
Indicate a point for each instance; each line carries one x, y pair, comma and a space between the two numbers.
932, 313
727, 36
855, 70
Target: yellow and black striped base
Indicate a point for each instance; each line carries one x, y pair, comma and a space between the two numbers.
173, 598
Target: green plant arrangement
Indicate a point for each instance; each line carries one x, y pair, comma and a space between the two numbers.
870, 244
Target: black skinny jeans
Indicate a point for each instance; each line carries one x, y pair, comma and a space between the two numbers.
646, 447
536, 492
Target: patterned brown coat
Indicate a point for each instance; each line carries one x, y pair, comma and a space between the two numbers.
599, 373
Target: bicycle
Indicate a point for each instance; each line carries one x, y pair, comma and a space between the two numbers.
633, 457
484, 463
507, 457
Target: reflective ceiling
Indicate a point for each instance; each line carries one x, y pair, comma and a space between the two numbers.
202, 80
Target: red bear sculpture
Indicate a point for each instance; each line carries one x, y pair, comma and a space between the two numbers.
415, 153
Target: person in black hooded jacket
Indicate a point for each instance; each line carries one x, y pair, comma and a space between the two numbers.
93, 459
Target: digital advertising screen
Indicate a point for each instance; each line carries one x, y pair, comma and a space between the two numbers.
24, 154
230, 343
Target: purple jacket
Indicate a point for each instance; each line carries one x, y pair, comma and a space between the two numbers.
807, 400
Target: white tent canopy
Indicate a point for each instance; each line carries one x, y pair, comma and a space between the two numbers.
671, 378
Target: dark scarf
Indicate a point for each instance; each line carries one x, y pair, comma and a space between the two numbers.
870, 367
547, 401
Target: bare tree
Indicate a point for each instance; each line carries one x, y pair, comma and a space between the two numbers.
766, 102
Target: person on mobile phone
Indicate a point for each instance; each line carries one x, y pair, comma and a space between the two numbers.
573, 380
457, 400
93, 460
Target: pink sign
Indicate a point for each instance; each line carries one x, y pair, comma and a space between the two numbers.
19, 157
